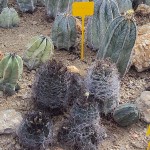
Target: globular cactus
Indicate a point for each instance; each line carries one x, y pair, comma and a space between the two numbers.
35, 131
27, 5
39, 50
11, 68
119, 41
104, 12
9, 18
3, 4
54, 88
124, 5
64, 31
83, 129
103, 83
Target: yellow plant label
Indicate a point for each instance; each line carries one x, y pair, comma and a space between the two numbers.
148, 134
82, 9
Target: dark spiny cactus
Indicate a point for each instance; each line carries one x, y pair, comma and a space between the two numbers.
3, 4
103, 83
35, 131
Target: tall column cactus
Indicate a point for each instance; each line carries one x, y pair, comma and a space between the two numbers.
64, 31
3, 4
103, 83
119, 41
27, 5
9, 18
104, 12
39, 50
11, 68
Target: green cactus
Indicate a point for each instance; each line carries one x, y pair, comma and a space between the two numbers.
64, 31
27, 5
124, 5
119, 41
9, 18
103, 83
39, 50
3, 4
104, 12
11, 68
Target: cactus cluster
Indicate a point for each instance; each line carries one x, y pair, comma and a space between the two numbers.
11, 68
9, 18
103, 83
64, 31
35, 131
39, 50
3, 4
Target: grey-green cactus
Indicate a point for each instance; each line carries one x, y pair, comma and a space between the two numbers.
119, 41
27, 5
103, 83
3, 4
64, 31
104, 12
39, 50
9, 18
11, 68
124, 5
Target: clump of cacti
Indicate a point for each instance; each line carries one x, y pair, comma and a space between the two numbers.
11, 68
3, 4
35, 131
82, 130
119, 41
39, 50
64, 31
104, 12
103, 83
27, 5
55, 88
126, 114
124, 5
9, 18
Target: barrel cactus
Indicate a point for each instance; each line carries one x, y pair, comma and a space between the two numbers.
124, 5
64, 31
35, 131
9, 18
11, 68
39, 50
3, 4
27, 5
104, 12
126, 114
103, 83
119, 41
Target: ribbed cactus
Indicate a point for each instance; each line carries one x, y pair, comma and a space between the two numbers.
3, 4
35, 131
82, 130
9, 18
64, 31
11, 68
119, 41
104, 12
103, 83
27, 5
39, 50
124, 5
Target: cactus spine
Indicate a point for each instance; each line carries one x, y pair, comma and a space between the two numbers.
39, 50
103, 83
27, 5
3, 4
64, 31
119, 41
9, 18
11, 68
104, 12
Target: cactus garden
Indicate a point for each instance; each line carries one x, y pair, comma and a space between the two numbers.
50, 99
